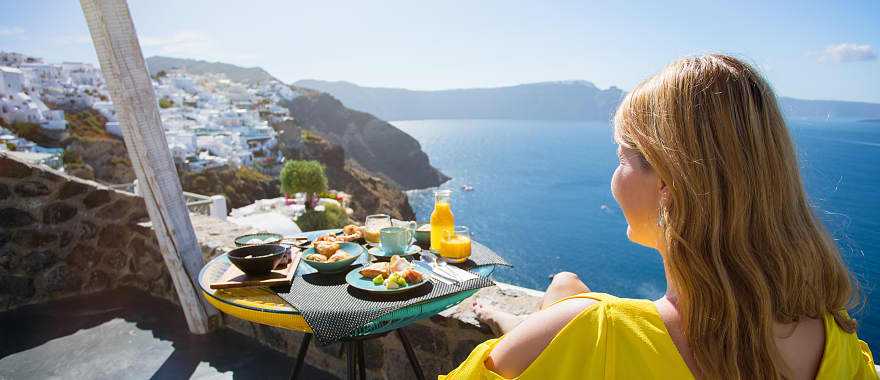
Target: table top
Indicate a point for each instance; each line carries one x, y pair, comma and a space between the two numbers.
262, 305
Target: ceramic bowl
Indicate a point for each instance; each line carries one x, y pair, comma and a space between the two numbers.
257, 238
257, 259
355, 250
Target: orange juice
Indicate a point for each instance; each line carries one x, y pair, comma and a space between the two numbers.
456, 247
371, 235
442, 220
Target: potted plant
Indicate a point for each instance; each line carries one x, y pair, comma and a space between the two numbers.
303, 176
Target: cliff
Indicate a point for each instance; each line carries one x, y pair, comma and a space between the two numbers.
568, 100
241, 186
371, 194
373, 143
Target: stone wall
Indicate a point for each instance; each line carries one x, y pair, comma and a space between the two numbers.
62, 236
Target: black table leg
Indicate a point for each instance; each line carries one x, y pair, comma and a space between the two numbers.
413, 361
349, 354
362, 368
301, 357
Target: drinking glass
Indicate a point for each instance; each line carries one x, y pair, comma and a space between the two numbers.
373, 224
455, 247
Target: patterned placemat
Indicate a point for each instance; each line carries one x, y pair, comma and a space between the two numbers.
334, 310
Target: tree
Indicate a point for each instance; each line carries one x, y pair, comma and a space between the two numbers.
303, 176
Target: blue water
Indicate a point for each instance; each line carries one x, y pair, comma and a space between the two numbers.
542, 199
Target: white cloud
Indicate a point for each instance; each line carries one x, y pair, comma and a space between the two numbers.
11, 31
188, 42
847, 53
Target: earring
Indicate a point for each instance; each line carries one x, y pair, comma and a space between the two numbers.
661, 221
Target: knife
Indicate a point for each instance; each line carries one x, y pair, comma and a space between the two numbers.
440, 277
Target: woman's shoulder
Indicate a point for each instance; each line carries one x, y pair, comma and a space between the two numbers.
845, 355
583, 323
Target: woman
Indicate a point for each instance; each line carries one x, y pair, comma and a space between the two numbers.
756, 288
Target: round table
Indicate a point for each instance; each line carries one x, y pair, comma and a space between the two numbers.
261, 305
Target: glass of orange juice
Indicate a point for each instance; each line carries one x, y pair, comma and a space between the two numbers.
455, 247
373, 224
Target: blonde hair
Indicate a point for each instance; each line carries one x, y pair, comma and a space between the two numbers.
742, 245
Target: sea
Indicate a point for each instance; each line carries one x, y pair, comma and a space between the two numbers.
541, 198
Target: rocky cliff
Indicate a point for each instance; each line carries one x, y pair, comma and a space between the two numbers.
371, 194
241, 186
374, 144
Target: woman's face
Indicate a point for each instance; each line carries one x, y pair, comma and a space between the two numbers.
637, 190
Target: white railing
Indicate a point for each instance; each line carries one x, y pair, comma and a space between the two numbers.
213, 206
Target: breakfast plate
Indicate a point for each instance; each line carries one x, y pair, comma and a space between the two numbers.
355, 279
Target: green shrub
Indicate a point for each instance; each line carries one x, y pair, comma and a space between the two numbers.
333, 216
166, 103
303, 176
71, 157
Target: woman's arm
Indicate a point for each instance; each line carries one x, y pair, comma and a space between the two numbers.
519, 348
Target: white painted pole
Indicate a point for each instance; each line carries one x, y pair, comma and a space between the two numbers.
131, 90
218, 207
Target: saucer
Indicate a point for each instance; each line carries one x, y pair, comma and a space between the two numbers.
377, 251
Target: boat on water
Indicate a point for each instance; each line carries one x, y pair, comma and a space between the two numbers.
467, 188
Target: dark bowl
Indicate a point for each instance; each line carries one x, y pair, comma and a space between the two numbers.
263, 257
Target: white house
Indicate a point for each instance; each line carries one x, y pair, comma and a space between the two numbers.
11, 80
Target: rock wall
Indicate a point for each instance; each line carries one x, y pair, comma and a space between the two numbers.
62, 236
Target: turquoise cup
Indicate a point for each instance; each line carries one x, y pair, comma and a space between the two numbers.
395, 240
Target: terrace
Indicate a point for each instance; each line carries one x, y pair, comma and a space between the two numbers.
85, 292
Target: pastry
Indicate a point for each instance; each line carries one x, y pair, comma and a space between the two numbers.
316, 257
327, 248
341, 255
350, 237
350, 229
325, 238
375, 269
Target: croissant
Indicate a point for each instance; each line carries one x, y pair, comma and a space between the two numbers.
350, 229
375, 269
327, 248
350, 237
341, 255
316, 257
327, 237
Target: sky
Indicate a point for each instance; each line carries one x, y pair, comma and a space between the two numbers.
826, 50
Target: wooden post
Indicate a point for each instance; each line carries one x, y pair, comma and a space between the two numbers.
131, 90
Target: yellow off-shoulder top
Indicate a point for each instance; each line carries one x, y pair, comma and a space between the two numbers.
619, 338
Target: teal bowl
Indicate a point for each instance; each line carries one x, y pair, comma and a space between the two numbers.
355, 250
258, 238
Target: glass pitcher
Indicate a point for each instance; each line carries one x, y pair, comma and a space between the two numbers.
442, 219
